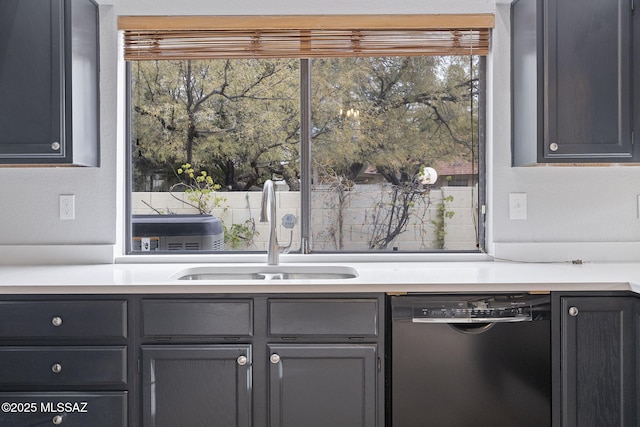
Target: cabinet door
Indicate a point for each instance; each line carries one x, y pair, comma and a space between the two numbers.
196, 386
49, 82
588, 80
322, 385
573, 65
31, 98
598, 352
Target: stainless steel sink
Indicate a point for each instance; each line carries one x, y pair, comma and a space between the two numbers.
276, 272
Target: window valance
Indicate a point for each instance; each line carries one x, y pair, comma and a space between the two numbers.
303, 36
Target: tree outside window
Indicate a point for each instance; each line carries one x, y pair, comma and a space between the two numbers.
376, 125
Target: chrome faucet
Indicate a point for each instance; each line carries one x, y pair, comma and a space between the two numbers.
268, 214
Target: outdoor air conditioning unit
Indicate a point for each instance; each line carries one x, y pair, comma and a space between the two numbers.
176, 233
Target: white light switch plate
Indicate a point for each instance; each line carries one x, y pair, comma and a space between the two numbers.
517, 205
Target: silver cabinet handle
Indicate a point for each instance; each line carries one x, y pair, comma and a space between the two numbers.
56, 368
55, 145
573, 311
275, 358
242, 360
57, 420
56, 321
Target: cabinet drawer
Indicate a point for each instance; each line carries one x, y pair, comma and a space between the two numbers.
63, 319
65, 409
328, 317
63, 366
180, 318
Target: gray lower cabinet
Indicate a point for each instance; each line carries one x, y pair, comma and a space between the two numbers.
196, 386
325, 364
262, 361
64, 320
49, 82
195, 318
319, 385
193, 360
598, 361
190, 375
64, 361
63, 366
573, 74
37, 409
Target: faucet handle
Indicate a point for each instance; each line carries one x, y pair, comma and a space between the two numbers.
286, 249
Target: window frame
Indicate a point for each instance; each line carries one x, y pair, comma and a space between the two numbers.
305, 159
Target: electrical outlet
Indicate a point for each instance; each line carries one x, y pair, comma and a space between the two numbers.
517, 205
67, 206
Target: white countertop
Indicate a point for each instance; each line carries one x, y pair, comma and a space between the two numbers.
392, 277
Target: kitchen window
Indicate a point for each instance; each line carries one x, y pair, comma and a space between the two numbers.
370, 127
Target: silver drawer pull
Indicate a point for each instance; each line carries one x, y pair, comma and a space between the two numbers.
275, 358
56, 368
56, 321
242, 360
57, 420
573, 311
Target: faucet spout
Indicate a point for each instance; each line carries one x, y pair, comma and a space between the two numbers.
268, 214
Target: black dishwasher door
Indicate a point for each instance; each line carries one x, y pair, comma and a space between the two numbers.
464, 361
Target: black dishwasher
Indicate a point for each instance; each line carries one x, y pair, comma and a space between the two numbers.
470, 360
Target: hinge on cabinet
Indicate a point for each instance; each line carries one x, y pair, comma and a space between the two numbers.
633, 138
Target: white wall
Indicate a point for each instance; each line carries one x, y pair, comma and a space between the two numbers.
573, 212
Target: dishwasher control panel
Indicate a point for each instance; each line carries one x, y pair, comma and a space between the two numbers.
468, 308
464, 313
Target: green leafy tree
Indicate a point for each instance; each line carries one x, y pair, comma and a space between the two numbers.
394, 115
238, 119
410, 111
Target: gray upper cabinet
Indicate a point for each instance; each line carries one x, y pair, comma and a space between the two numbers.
572, 69
49, 82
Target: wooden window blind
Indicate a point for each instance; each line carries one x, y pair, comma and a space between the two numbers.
211, 37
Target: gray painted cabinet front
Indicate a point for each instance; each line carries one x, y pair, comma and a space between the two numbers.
322, 385
67, 409
65, 361
264, 360
573, 81
196, 386
49, 82
598, 357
